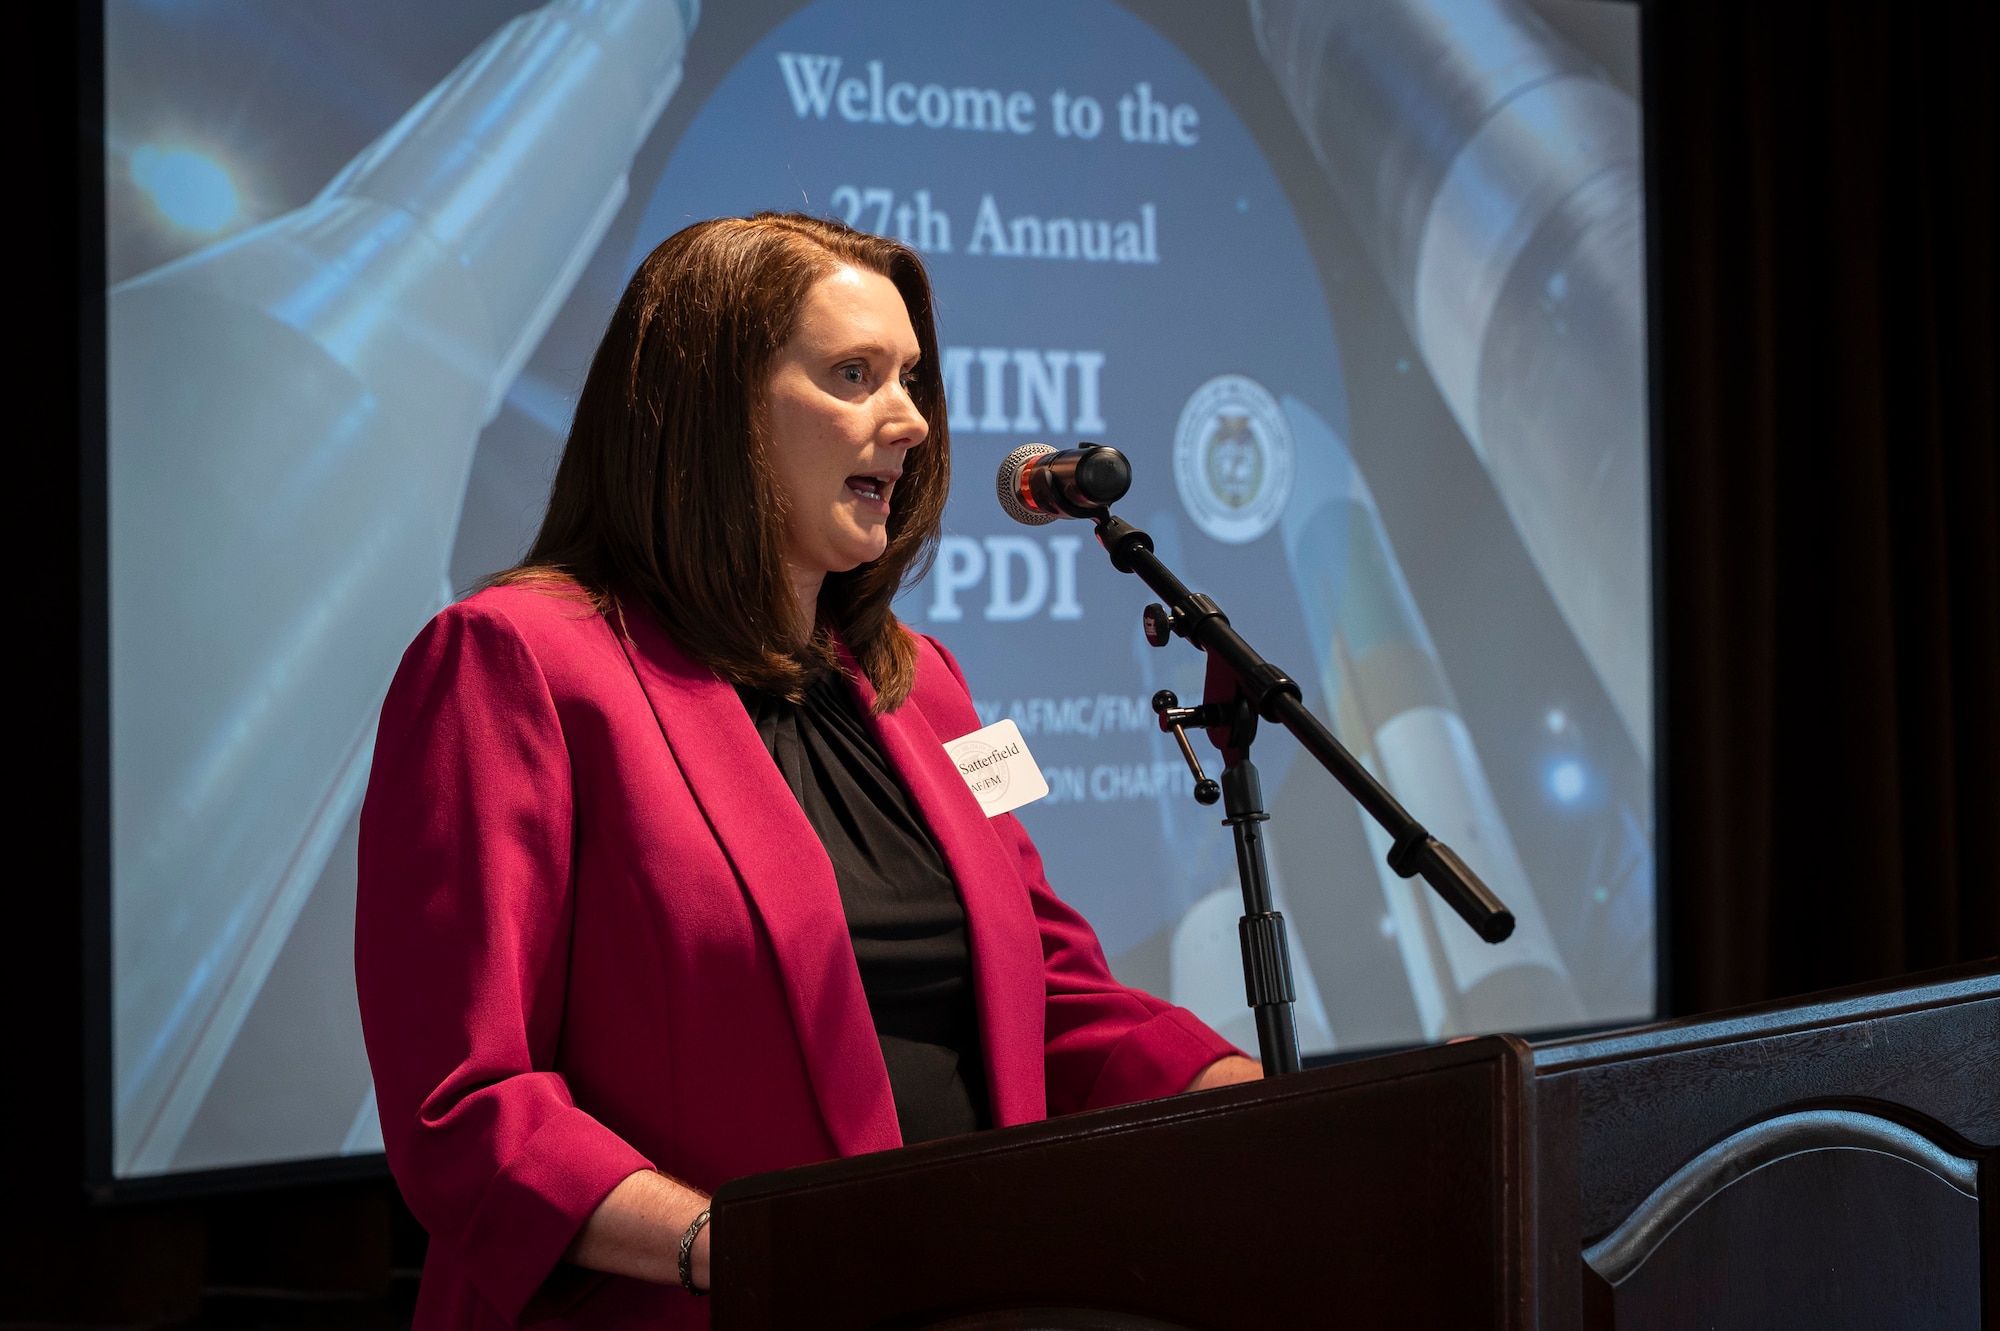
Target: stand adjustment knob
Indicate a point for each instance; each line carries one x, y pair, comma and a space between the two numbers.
1173, 720
1159, 624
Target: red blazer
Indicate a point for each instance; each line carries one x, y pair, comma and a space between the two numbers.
596, 934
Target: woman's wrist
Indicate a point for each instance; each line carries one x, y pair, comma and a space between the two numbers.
637, 1229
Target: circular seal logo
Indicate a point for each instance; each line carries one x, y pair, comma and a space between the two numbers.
1233, 459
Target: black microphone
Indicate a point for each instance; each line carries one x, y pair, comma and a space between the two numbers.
1037, 484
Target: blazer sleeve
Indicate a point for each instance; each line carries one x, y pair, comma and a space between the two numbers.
461, 958
1104, 1043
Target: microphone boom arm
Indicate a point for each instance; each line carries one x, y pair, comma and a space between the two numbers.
1274, 696
1037, 484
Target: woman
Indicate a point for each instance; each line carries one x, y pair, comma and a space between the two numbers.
665, 876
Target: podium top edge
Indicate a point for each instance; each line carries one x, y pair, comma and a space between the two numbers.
1947, 986
1512, 1057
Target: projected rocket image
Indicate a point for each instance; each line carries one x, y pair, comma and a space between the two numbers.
1392, 706
293, 413
1493, 175
1401, 435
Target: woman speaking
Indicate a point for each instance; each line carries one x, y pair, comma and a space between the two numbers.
666, 877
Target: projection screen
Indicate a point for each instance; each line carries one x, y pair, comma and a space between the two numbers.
1358, 285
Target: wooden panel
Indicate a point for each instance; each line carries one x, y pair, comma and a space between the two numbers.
1558, 1192
1652, 1099
1395, 1192
1830, 1240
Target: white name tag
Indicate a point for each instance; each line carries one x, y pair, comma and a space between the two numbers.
997, 767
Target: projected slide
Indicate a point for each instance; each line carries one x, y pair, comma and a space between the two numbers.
1358, 287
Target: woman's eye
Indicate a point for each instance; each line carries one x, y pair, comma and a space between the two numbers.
852, 373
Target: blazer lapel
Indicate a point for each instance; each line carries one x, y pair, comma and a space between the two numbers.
1000, 922
785, 871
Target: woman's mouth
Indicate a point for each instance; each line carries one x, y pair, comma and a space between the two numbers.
873, 488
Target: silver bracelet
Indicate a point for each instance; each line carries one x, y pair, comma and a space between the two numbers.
686, 1263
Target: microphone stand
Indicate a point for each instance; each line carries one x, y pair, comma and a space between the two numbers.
1242, 687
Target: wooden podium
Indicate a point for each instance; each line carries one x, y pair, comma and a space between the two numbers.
1822, 1164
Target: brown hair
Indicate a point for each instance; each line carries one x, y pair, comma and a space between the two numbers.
665, 493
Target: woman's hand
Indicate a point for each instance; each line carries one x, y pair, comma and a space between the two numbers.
1227, 1072
637, 1229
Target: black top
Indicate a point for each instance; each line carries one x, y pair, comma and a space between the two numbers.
903, 908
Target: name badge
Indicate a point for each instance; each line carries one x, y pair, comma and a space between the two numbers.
997, 767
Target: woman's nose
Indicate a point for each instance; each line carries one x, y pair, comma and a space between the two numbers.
906, 425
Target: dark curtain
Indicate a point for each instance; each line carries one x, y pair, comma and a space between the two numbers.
1822, 193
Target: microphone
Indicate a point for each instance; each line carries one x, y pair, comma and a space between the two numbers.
1037, 484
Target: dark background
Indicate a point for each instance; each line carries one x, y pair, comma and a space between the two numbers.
1827, 491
